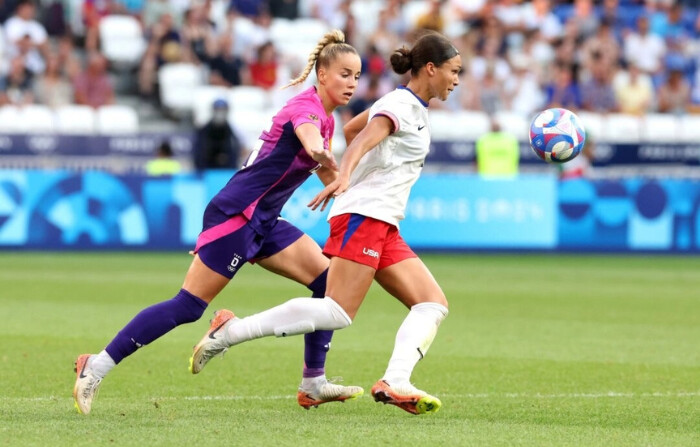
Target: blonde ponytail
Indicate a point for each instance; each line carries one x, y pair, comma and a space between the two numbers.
328, 48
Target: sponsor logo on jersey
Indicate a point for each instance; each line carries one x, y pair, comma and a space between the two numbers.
313, 117
421, 127
370, 252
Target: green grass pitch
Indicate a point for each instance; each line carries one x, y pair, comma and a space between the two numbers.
538, 350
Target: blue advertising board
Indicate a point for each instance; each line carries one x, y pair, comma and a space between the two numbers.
96, 210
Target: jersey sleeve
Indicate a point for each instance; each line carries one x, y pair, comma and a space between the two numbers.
391, 109
305, 111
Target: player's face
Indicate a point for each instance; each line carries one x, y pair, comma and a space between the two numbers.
340, 78
447, 77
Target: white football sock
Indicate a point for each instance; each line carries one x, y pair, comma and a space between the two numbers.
413, 340
101, 364
296, 316
311, 383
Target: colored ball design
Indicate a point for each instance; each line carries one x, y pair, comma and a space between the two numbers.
556, 135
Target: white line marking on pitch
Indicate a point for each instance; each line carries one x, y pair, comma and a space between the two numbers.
444, 396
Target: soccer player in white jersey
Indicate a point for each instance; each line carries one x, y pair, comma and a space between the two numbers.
382, 162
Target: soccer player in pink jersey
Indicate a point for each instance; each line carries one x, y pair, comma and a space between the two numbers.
382, 162
242, 224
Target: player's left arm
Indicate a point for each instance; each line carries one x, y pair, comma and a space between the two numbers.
311, 139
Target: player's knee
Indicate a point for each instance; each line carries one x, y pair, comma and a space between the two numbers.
339, 318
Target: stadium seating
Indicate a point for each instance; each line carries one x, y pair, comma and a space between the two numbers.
592, 123
177, 83
37, 118
618, 128
75, 120
251, 122
204, 97
514, 124
10, 119
467, 125
248, 98
689, 129
117, 119
659, 128
122, 40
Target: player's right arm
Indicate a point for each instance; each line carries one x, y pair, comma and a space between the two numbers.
378, 128
311, 139
354, 126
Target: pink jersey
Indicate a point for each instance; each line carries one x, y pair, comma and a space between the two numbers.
278, 164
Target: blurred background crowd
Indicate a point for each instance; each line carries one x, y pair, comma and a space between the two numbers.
631, 57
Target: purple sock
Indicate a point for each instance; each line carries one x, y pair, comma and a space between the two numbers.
154, 322
317, 344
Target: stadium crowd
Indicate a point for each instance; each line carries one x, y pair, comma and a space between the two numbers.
626, 56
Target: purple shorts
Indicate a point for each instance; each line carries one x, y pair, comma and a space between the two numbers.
228, 242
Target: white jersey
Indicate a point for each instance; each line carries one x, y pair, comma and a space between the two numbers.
382, 181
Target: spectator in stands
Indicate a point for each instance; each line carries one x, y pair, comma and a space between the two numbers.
93, 12
53, 18
644, 49
249, 8
16, 87
584, 19
432, 19
263, 71
216, 145
563, 91
7, 8
469, 12
383, 38
284, 9
164, 47
227, 69
604, 43
28, 37
93, 87
674, 94
597, 93
53, 88
198, 36
68, 61
497, 153
634, 91
537, 15
522, 93
363, 102
153, 10
164, 162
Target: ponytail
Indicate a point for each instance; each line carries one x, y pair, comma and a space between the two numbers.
328, 48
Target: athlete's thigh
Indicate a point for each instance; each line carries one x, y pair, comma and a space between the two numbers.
301, 261
203, 282
348, 283
411, 282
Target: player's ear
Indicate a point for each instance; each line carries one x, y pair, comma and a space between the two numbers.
430, 68
321, 75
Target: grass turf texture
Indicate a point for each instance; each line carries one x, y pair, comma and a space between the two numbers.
538, 350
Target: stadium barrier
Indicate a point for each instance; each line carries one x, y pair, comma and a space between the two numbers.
51, 147
48, 210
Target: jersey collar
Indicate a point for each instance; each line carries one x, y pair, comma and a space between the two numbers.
403, 87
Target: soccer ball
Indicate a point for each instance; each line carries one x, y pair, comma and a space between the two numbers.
556, 135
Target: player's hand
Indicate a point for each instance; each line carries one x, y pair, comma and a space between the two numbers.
325, 158
334, 189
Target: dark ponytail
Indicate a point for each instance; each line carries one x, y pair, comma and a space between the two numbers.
431, 47
401, 60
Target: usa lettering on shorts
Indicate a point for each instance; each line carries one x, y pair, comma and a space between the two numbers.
370, 252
